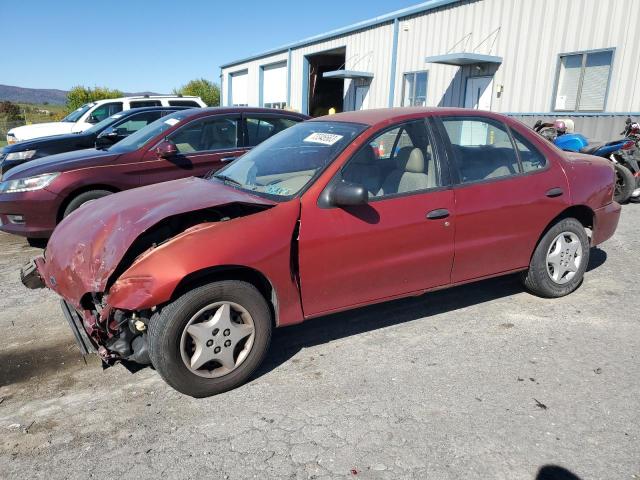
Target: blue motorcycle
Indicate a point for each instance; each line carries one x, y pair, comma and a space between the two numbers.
618, 152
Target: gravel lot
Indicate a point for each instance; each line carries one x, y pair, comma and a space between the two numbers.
480, 381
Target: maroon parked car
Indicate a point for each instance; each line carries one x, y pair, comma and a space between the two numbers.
330, 214
35, 196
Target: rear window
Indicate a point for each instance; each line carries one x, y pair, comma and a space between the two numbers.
482, 148
145, 103
183, 103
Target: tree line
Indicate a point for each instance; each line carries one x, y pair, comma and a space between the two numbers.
208, 91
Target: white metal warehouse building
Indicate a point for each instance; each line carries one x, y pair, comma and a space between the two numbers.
533, 59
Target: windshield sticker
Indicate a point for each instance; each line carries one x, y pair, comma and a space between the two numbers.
323, 138
171, 121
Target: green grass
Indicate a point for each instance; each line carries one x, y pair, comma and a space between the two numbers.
3, 143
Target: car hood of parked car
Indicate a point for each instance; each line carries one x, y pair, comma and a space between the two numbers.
89, 245
61, 162
35, 130
41, 142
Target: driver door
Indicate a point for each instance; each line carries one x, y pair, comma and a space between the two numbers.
204, 146
400, 242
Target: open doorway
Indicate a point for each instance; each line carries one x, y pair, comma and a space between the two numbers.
325, 93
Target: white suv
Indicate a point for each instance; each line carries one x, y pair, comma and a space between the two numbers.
94, 112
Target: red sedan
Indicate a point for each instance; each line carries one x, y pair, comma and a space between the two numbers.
35, 196
330, 214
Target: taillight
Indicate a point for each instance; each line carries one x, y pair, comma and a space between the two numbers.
628, 145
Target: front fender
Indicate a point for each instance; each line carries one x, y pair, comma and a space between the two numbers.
261, 242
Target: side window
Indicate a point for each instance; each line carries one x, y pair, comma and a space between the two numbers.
207, 134
400, 160
530, 158
482, 148
183, 103
144, 103
136, 122
261, 128
105, 110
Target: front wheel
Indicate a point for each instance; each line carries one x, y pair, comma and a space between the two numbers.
559, 260
83, 198
211, 339
625, 183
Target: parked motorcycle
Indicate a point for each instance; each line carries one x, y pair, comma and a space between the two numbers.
618, 151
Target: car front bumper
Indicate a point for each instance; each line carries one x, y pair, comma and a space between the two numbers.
29, 214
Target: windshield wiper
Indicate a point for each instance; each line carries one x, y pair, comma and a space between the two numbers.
227, 179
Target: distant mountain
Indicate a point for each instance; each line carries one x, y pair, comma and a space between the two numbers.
32, 95
42, 95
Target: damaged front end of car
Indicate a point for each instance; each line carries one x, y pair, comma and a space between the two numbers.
89, 259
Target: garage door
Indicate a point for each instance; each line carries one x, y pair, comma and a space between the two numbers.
274, 85
239, 89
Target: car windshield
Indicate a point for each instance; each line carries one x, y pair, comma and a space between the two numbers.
76, 114
142, 136
283, 165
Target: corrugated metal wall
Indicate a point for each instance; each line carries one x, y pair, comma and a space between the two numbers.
528, 34
368, 50
601, 128
254, 77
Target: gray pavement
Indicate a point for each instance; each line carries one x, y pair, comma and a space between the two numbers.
480, 381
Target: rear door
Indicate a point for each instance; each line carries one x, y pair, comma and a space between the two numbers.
506, 193
204, 145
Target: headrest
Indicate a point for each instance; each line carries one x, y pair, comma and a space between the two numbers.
411, 160
366, 156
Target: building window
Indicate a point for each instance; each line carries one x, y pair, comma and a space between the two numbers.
582, 82
414, 89
280, 105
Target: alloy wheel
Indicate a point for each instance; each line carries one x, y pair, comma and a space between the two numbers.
217, 339
564, 257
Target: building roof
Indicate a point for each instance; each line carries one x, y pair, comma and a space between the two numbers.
382, 19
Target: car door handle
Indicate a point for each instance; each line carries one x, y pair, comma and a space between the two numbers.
554, 192
438, 213
228, 159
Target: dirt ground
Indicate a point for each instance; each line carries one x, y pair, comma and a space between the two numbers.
480, 381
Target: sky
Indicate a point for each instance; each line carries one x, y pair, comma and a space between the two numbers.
156, 45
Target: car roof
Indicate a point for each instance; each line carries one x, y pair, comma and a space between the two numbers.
223, 110
131, 111
147, 97
378, 116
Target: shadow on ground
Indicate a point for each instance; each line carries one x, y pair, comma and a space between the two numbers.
38, 360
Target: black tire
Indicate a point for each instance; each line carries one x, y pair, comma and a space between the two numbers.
84, 198
37, 242
625, 183
166, 328
537, 279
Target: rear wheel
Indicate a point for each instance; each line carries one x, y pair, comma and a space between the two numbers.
211, 339
625, 183
559, 261
83, 198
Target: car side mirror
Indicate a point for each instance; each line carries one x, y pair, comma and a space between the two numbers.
107, 138
166, 149
92, 119
345, 194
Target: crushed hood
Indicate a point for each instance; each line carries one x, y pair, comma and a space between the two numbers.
87, 247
